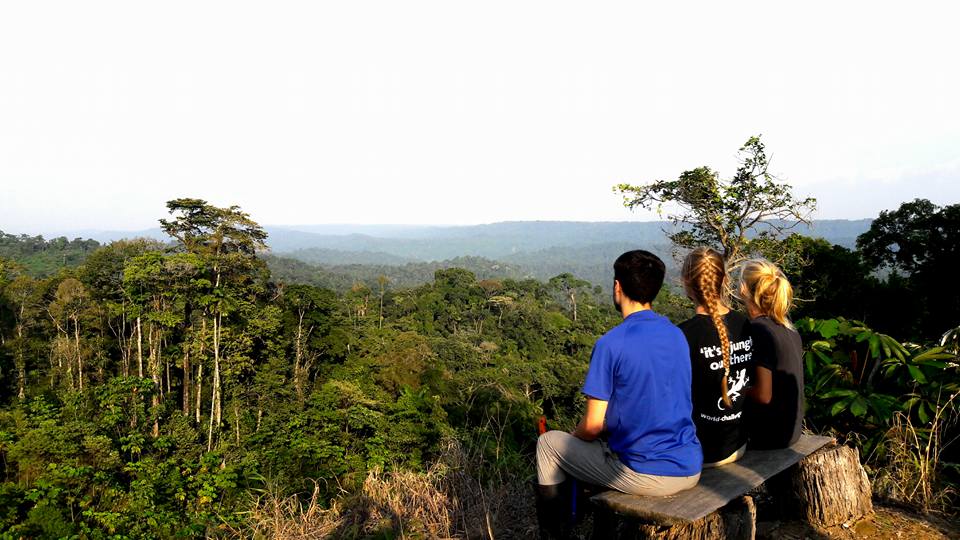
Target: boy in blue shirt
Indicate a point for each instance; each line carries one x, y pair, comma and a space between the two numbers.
638, 399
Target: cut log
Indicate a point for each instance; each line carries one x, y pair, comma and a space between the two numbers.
735, 521
826, 488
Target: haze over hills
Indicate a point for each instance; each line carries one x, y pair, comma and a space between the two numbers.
337, 256
406, 243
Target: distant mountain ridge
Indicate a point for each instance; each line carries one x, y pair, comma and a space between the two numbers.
397, 244
338, 256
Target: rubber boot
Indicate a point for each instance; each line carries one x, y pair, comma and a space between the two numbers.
553, 512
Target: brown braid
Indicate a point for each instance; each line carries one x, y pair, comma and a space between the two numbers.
704, 275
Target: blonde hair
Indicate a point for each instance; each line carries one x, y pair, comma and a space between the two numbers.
765, 286
704, 276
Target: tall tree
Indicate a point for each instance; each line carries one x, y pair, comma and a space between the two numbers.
103, 274
727, 214
921, 241
228, 241
570, 286
24, 297
915, 238
69, 309
382, 281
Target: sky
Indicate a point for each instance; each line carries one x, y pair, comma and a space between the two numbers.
460, 113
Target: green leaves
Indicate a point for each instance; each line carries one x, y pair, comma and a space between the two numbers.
829, 328
857, 378
724, 213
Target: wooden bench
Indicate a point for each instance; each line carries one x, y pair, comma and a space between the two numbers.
718, 507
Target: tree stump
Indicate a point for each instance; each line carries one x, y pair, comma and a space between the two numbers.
826, 488
735, 521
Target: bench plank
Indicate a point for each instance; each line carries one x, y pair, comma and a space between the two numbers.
717, 486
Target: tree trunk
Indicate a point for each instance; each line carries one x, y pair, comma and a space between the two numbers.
153, 340
203, 335
215, 417
122, 341
139, 349
166, 365
76, 344
186, 378
217, 384
827, 488
199, 389
216, 375
735, 521
236, 419
152, 360
21, 362
298, 358
21, 377
213, 400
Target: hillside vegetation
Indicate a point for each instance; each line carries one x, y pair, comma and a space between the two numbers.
39, 257
195, 387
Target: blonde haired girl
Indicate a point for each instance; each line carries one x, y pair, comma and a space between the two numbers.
720, 357
775, 411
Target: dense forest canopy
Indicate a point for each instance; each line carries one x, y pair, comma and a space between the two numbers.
147, 390
41, 257
151, 388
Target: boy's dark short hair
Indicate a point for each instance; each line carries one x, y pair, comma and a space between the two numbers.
640, 274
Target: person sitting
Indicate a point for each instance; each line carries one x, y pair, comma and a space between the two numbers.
714, 333
775, 410
638, 400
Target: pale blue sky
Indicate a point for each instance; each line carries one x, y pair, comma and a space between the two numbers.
456, 113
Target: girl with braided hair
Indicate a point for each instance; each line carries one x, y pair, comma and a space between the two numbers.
775, 408
721, 358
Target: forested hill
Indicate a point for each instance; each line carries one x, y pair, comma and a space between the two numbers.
40, 257
386, 243
499, 240
189, 388
343, 277
537, 249
339, 256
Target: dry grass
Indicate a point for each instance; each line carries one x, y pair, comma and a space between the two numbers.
913, 462
447, 501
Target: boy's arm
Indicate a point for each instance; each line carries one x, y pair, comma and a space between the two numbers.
592, 424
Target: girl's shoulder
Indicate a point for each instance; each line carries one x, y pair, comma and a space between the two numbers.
764, 323
692, 322
768, 329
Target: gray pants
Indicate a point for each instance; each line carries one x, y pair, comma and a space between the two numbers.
559, 454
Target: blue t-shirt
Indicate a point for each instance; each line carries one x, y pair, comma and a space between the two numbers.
642, 369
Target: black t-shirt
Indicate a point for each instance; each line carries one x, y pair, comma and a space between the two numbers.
721, 430
779, 349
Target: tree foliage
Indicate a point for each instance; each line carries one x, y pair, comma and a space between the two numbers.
727, 214
156, 389
157, 385
39, 257
919, 245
